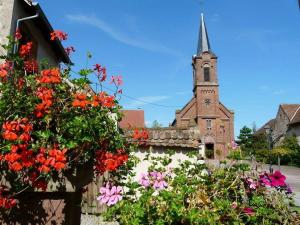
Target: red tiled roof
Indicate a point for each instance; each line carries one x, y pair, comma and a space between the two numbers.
132, 119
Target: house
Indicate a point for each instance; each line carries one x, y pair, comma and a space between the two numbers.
286, 123
132, 119
204, 123
29, 18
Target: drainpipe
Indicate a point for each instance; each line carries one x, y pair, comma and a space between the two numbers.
17, 28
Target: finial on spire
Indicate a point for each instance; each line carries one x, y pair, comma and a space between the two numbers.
203, 41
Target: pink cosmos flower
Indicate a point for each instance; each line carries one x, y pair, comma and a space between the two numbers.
277, 179
110, 196
144, 181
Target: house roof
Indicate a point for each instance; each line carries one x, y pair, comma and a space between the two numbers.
290, 109
270, 123
296, 117
132, 119
172, 137
44, 25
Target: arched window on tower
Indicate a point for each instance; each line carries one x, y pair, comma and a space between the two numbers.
206, 73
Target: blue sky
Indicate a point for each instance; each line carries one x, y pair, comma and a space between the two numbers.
151, 43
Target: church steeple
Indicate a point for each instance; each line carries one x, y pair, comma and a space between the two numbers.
203, 41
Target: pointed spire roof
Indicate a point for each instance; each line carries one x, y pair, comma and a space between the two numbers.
203, 41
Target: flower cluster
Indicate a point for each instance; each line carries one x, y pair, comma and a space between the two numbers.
101, 72
4, 68
81, 100
46, 95
53, 158
107, 161
58, 34
17, 130
277, 179
140, 136
50, 76
154, 179
110, 195
25, 49
31, 66
6, 202
69, 50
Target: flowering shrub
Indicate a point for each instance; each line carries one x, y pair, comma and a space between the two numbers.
191, 193
51, 123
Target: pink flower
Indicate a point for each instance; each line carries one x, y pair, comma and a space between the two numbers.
110, 196
159, 182
265, 180
117, 80
252, 184
144, 181
234, 205
249, 211
277, 179
69, 50
234, 145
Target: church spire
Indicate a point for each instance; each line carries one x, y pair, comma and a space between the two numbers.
203, 41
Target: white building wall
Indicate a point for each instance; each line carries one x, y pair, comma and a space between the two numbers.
142, 167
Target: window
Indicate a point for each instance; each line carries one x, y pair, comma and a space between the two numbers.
208, 124
206, 73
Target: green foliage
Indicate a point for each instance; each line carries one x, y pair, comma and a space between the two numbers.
245, 139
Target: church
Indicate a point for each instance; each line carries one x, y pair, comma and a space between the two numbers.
204, 123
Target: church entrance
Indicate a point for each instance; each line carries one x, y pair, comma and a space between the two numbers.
209, 151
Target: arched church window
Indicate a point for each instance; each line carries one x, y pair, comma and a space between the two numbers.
206, 72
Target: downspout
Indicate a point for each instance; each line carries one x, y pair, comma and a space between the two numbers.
17, 28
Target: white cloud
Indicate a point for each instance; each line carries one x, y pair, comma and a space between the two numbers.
264, 88
145, 100
121, 37
278, 92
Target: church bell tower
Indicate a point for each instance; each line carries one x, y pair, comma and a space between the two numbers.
206, 87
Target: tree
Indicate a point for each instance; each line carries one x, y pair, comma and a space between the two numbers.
291, 143
245, 139
156, 124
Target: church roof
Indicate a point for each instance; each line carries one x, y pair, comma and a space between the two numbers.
203, 40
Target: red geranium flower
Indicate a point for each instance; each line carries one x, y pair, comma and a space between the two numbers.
25, 49
60, 35
31, 66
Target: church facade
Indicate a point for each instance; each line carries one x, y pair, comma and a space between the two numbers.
204, 123
205, 110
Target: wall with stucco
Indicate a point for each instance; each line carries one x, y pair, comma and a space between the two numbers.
6, 9
179, 156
